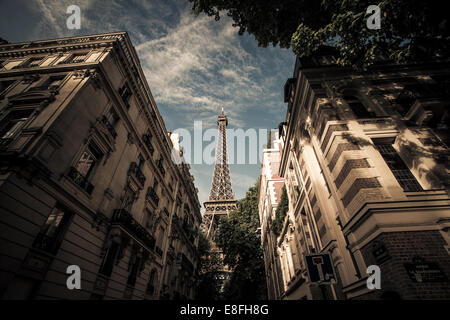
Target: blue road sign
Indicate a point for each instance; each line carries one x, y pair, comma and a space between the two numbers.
320, 268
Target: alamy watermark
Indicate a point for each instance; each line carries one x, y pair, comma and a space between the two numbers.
74, 20
374, 20
242, 146
74, 279
374, 279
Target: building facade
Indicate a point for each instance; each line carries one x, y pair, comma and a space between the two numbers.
87, 178
270, 191
366, 166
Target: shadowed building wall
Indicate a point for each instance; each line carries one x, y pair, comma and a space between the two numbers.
86, 176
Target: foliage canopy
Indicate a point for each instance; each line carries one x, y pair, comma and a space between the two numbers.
239, 238
410, 29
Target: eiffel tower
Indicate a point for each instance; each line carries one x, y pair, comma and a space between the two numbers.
221, 197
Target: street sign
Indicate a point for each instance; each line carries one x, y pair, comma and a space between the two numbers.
320, 268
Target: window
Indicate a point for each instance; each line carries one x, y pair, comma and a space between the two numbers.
110, 120
88, 160
13, 123
34, 62
160, 165
79, 57
134, 271
404, 102
159, 241
128, 199
52, 83
108, 261
140, 162
83, 170
74, 58
401, 172
50, 236
5, 85
357, 107
125, 94
112, 117
30, 63
151, 283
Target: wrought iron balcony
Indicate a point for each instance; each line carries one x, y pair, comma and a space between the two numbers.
152, 195
126, 220
80, 180
137, 172
109, 126
148, 142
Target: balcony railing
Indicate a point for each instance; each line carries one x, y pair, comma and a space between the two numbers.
126, 220
80, 180
109, 126
152, 195
52, 88
137, 172
148, 142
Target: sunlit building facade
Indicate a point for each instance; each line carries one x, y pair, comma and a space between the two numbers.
365, 161
270, 191
86, 176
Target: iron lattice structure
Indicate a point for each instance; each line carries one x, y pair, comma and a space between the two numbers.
221, 196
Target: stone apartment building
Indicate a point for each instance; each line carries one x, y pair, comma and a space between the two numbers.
270, 191
365, 161
86, 176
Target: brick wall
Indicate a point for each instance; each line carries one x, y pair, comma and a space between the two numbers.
332, 128
348, 166
357, 185
402, 247
341, 148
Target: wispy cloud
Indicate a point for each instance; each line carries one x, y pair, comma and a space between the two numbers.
194, 65
200, 66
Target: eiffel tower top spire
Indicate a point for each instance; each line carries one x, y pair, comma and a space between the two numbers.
221, 196
221, 188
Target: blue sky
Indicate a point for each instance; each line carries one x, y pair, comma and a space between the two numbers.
194, 65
